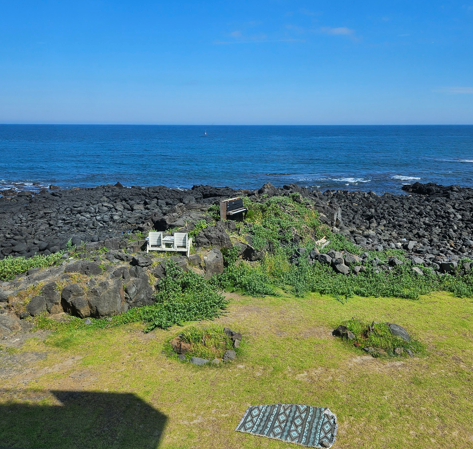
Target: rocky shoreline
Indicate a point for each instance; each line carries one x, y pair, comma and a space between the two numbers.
430, 220
109, 274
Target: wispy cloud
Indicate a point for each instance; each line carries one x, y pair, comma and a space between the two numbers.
455, 90
243, 37
339, 31
255, 40
306, 12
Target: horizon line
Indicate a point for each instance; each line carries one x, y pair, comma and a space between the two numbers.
210, 125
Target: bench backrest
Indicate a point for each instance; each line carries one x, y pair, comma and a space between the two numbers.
235, 204
155, 238
180, 240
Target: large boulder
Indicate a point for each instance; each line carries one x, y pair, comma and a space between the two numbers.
351, 259
121, 273
213, 263
36, 306
138, 272
141, 261
214, 236
107, 299
250, 253
139, 293
399, 331
4, 295
52, 297
9, 322
84, 267
268, 189
74, 301
324, 259
341, 268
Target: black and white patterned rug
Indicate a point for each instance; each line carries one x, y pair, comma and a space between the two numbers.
294, 423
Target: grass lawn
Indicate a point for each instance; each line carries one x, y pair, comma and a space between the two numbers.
134, 397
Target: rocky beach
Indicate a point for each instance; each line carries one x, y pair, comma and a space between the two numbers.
430, 220
102, 270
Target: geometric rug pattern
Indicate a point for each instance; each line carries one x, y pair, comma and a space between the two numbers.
294, 423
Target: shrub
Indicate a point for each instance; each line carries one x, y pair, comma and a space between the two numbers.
200, 225
13, 266
281, 219
182, 296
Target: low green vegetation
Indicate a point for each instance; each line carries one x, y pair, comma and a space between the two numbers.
200, 225
13, 266
378, 340
282, 221
276, 273
207, 342
280, 226
182, 296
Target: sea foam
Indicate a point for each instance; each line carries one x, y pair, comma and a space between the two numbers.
405, 178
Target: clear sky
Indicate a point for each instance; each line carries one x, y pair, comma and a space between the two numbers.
240, 62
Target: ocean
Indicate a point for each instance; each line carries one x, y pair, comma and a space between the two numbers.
371, 158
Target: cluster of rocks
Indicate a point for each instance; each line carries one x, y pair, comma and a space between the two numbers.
181, 348
44, 223
346, 263
98, 286
343, 332
432, 223
438, 220
431, 220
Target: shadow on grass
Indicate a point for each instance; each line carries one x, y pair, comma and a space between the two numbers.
81, 420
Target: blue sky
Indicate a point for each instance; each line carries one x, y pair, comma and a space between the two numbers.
245, 62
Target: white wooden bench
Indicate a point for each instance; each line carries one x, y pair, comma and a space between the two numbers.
179, 242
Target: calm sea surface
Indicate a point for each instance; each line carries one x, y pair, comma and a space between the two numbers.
378, 158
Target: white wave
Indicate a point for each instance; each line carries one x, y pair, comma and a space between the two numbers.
351, 180
466, 160
405, 178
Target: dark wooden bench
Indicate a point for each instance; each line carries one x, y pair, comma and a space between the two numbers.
232, 208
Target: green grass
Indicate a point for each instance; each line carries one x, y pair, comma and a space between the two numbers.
290, 357
379, 338
13, 266
207, 342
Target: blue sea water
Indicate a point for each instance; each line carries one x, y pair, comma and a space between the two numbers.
377, 158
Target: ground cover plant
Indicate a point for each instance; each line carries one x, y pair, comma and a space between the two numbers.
282, 226
282, 220
378, 340
13, 266
205, 341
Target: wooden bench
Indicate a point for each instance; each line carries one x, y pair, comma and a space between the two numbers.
179, 242
232, 208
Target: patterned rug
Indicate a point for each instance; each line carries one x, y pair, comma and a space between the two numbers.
294, 423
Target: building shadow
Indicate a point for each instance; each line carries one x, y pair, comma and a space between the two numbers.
80, 419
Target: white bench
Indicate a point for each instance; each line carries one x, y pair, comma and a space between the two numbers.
179, 242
